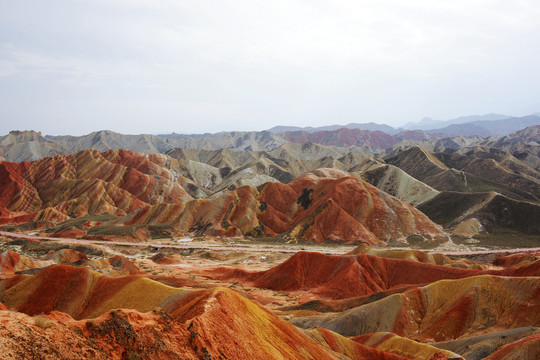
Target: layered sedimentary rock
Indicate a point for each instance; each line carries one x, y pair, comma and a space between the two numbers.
419, 256
393, 343
481, 346
340, 277
324, 205
82, 293
89, 182
11, 262
344, 137
527, 348
207, 326
216, 323
443, 310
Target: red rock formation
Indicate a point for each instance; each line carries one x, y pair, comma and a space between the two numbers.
70, 233
352, 349
324, 205
405, 347
416, 255
88, 182
516, 260
339, 277
441, 311
65, 256
222, 321
11, 262
216, 323
527, 348
80, 292
121, 263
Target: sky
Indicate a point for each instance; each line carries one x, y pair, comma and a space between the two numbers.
162, 66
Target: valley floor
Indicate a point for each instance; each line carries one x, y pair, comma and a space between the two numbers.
344, 301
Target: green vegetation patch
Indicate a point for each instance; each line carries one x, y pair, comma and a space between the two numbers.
113, 230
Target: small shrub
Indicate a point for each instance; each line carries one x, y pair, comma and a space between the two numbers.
42, 321
132, 355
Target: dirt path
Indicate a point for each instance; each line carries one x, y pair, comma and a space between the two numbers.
156, 244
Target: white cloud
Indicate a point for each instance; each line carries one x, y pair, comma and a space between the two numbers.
297, 61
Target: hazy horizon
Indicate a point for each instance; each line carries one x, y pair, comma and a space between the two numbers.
142, 66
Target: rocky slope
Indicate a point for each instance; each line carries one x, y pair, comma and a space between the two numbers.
432, 311
324, 205
444, 310
486, 184
217, 324
356, 275
477, 169
89, 182
142, 190
126, 322
31, 145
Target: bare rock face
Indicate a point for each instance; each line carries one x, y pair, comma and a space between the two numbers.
444, 310
89, 182
11, 262
357, 275
468, 228
324, 205
141, 190
413, 309
27, 145
527, 348
215, 323
398, 183
416, 255
405, 347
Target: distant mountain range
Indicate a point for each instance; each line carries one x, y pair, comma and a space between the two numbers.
468, 187
475, 125
32, 145
367, 126
431, 124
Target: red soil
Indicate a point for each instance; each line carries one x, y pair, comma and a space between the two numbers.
120, 262
57, 289
355, 349
66, 256
89, 181
339, 277
11, 262
516, 260
64, 288
527, 348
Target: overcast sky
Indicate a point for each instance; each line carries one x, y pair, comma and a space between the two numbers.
158, 66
